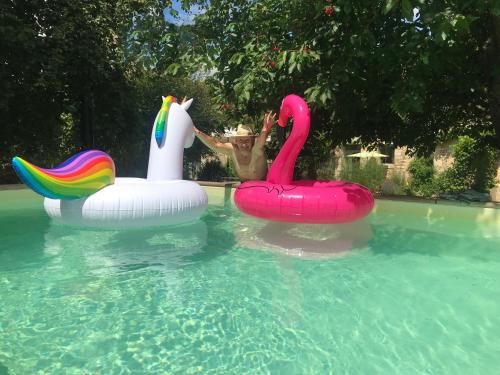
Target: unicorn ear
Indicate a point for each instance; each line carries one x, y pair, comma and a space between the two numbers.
187, 104
162, 97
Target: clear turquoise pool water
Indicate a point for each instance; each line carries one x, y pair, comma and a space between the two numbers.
221, 296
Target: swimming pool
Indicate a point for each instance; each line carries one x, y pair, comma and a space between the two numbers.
413, 289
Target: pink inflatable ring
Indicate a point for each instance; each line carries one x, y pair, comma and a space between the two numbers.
316, 202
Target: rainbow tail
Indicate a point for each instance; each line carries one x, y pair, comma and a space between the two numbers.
80, 176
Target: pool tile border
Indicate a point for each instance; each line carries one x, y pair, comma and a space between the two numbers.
234, 184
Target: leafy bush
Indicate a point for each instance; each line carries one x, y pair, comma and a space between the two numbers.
305, 167
327, 170
473, 167
422, 172
212, 170
371, 174
399, 184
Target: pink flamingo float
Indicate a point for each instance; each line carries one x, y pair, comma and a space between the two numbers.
306, 201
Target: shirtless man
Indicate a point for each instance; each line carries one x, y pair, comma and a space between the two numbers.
245, 149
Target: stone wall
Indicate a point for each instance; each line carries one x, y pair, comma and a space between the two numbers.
443, 156
443, 159
400, 164
339, 156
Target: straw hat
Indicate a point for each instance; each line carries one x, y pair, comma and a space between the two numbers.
243, 131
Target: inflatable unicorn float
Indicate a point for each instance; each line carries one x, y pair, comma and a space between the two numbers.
83, 191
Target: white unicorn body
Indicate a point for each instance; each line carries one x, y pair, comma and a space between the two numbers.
162, 198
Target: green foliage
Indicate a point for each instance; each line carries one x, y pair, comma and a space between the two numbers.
422, 181
212, 170
370, 174
61, 79
367, 63
327, 170
399, 184
474, 167
88, 73
84, 74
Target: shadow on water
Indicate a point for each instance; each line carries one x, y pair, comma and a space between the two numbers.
200, 241
22, 235
393, 240
30, 239
4, 370
312, 241
161, 248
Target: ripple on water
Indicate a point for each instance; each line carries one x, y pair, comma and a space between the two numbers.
206, 299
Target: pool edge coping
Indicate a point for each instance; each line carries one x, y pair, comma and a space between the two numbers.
396, 198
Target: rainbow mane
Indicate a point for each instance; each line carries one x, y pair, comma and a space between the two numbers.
80, 176
162, 118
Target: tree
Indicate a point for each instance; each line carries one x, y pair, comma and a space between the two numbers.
73, 75
374, 70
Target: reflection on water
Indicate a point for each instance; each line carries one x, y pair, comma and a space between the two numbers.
22, 237
304, 240
120, 251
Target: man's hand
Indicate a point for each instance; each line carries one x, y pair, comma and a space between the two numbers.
268, 121
266, 128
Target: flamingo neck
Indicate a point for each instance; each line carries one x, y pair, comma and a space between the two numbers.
281, 171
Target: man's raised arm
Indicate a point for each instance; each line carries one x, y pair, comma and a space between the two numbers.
266, 128
213, 144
